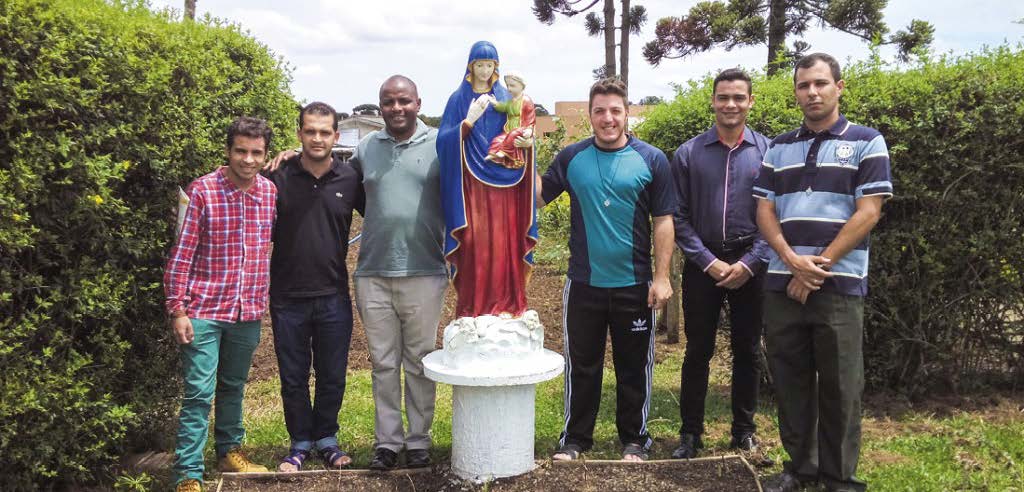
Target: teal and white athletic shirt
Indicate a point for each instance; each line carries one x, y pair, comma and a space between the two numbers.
614, 193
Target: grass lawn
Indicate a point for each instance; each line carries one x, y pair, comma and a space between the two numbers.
915, 450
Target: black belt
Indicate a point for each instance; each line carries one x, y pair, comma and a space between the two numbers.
736, 244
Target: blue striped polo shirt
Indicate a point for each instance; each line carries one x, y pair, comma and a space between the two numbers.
613, 195
815, 180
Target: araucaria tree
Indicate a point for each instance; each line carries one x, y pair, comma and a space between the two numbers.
633, 17
733, 23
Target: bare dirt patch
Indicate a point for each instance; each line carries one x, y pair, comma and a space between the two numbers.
719, 474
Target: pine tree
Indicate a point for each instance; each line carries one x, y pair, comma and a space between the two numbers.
632, 18
733, 23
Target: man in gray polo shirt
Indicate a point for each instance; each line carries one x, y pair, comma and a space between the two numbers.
400, 277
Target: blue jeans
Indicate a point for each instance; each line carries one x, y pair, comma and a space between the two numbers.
312, 331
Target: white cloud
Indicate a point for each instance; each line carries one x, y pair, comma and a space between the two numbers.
358, 43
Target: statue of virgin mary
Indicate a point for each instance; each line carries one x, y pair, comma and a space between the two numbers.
489, 209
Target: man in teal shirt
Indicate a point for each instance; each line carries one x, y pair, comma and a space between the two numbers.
400, 277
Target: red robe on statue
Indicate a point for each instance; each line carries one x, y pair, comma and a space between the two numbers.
492, 270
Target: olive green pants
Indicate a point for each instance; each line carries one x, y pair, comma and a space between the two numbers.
815, 352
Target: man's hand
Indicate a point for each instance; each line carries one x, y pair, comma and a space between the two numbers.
275, 163
718, 270
659, 292
797, 291
808, 269
737, 276
182, 328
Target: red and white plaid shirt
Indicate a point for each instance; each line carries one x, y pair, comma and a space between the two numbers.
219, 268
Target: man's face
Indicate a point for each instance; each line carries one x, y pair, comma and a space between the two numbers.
817, 93
246, 156
608, 114
399, 104
317, 135
483, 69
731, 102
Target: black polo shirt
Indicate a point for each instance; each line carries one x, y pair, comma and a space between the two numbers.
311, 232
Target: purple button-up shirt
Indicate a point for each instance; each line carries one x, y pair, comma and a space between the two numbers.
716, 205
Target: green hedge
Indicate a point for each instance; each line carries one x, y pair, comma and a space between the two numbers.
946, 281
105, 109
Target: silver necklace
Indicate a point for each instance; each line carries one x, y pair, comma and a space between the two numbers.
606, 185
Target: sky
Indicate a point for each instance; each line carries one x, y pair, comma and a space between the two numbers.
341, 50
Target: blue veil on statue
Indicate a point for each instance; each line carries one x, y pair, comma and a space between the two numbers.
463, 148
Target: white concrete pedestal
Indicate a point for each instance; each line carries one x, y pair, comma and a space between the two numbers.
493, 414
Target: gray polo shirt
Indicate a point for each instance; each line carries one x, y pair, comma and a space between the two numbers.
403, 230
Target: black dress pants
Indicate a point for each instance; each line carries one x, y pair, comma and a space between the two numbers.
702, 303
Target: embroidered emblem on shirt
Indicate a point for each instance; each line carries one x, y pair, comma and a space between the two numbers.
639, 325
339, 195
843, 152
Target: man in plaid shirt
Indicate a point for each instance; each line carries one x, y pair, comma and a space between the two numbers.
216, 283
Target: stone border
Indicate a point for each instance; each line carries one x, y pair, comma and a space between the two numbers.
430, 469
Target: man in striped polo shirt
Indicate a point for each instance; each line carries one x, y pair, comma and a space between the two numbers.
821, 189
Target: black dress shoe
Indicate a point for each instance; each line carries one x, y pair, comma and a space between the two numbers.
783, 482
383, 459
746, 442
417, 458
688, 446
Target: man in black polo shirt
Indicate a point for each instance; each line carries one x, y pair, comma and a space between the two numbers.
309, 300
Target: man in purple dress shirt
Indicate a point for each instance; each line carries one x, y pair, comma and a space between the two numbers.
725, 258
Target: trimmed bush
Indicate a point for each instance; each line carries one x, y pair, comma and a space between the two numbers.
946, 299
105, 109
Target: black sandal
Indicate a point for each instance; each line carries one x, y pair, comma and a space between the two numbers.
571, 450
296, 458
330, 455
634, 449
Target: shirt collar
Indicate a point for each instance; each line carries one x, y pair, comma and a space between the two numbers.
711, 136
837, 129
233, 192
419, 134
294, 166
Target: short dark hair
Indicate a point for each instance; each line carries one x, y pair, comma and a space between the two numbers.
320, 108
813, 58
248, 126
607, 85
729, 75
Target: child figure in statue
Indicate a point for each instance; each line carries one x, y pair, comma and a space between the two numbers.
509, 147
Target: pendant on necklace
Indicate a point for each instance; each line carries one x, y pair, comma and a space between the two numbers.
607, 202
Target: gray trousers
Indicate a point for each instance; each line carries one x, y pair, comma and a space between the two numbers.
816, 355
400, 316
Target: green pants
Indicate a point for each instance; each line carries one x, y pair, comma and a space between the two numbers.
815, 352
216, 362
